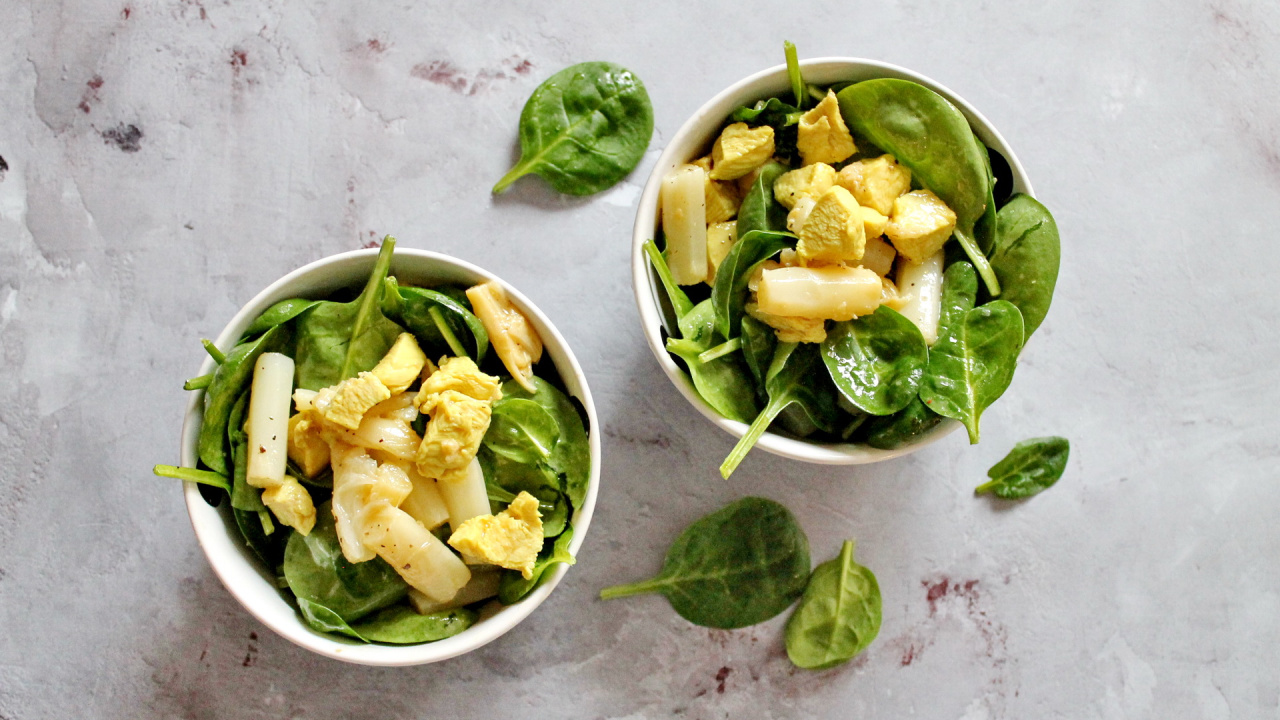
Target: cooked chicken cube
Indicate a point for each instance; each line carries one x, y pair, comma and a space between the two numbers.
834, 231
510, 539
920, 225
512, 335
401, 365
876, 182
823, 136
810, 181
346, 403
739, 150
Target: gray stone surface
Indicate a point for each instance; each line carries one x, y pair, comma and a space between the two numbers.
168, 158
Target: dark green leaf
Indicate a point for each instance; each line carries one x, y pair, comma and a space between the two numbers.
680, 303
1032, 466
724, 382
759, 342
414, 309
760, 210
793, 74
729, 294
279, 314
583, 129
571, 456
905, 426
738, 566
521, 430
402, 625
322, 619
876, 361
838, 616
229, 381
1026, 258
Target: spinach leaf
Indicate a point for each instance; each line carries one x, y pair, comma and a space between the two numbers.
437, 320
583, 129
760, 210
322, 619
402, 625
772, 111
1032, 466
204, 477
268, 548
759, 342
505, 478
972, 363
318, 573
930, 136
793, 73
521, 430
571, 456
680, 303
738, 566
838, 616
243, 495
512, 587
905, 426
795, 376
229, 381
1026, 257
876, 361
729, 294
279, 314
725, 382
959, 295
336, 341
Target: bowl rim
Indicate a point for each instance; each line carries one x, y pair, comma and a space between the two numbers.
241, 573
695, 133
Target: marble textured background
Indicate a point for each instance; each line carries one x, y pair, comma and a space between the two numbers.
168, 158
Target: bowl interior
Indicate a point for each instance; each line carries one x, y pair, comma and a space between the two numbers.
243, 574
693, 140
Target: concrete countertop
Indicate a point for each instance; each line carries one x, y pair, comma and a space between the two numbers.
166, 159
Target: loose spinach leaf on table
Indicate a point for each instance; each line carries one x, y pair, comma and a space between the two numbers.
725, 382
795, 376
905, 426
738, 566
926, 133
570, 458
318, 573
1032, 466
838, 616
760, 210
583, 129
972, 363
1026, 257
402, 625
876, 361
729, 293
443, 324
512, 587
229, 380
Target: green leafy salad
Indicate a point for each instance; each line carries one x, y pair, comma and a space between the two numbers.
811, 280
392, 471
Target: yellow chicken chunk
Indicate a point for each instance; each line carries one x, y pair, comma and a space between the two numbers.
876, 183
834, 230
873, 221
346, 403
791, 329
822, 136
291, 504
459, 374
720, 239
307, 447
810, 181
510, 332
920, 225
458, 424
739, 150
510, 539
722, 198
401, 365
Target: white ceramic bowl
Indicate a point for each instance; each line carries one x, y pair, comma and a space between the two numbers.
253, 584
693, 140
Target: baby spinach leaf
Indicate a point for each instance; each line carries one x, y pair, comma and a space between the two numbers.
959, 295
1032, 466
318, 573
724, 382
583, 129
505, 478
402, 625
522, 431
905, 426
972, 363
205, 477
838, 616
322, 619
760, 210
795, 376
418, 309
571, 456
680, 303
930, 136
772, 111
512, 587
876, 361
229, 381
738, 566
793, 74
279, 314
1026, 258
268, 548
336, 341
729, 294
759, 342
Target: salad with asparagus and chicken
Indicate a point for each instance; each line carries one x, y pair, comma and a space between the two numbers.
390, 470
809, 267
